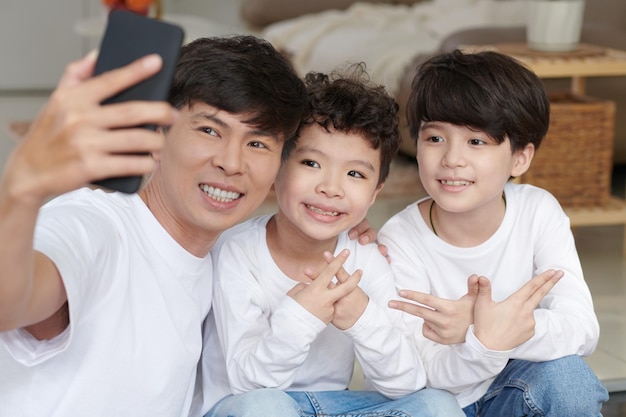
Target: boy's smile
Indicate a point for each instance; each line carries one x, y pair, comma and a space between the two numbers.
465, 171
328, 183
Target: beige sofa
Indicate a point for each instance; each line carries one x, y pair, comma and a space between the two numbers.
604, 24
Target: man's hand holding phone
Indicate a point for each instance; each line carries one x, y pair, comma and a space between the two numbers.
75, 140
129, 36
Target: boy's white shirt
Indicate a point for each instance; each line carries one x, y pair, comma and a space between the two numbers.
136, 299
534, 236
270, 340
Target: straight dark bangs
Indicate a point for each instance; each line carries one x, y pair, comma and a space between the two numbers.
451, 97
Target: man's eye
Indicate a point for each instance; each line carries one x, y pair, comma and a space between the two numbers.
310, 163
209, 131
257, 144
356, 174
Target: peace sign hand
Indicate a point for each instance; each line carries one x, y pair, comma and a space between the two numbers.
505, 325
319, 296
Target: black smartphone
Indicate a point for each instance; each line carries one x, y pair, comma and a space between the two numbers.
127, 37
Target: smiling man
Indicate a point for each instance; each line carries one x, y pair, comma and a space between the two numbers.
102, 295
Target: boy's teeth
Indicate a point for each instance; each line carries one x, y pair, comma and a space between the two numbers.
220, 195
455, 182
320, 211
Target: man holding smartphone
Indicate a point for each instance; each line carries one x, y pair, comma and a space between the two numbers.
103, 294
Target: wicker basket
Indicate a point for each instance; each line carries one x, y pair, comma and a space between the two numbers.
574, 161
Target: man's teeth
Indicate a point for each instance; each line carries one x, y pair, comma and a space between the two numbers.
456, 182
220, 195
320, 211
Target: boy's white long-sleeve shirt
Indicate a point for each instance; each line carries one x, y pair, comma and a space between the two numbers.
269, 340
534, 236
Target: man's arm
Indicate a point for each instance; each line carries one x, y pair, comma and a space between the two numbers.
72, 142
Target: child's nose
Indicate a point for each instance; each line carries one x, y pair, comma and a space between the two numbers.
331, 186
453, 156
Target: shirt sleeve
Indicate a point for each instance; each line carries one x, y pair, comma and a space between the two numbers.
69, 235
262, 348
383, 344
565, 320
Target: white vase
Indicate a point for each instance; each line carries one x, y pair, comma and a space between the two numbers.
554, 25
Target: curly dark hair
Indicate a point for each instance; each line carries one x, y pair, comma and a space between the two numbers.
347, 101
486, 91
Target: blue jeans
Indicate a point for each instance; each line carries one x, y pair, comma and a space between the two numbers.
275, 403
564, 387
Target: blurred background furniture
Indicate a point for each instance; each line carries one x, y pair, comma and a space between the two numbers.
604, 24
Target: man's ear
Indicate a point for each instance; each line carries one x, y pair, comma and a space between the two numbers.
523, 158
162, 130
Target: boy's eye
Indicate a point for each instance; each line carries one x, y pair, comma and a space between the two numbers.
477, 142
435, 139
310, 163
356, 174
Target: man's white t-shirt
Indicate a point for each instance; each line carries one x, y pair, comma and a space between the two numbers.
137, 300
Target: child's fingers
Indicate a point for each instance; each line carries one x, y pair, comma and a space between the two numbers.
542, 290
413, 309
326, 276
484, 291
472, 286
347, 286
421, 298
385, 252
364, 232
310, 273
528, 290
296, 289
342, 275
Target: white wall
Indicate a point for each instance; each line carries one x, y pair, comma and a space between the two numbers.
38, 37
224, 11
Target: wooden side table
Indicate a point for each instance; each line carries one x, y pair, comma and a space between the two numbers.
586, 61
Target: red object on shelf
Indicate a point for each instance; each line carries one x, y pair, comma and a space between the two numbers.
141, 7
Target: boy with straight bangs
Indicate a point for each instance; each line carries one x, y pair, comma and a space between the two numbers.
285, 326
510, 339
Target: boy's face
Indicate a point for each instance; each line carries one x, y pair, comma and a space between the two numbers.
464, 169
213, 172
328, 182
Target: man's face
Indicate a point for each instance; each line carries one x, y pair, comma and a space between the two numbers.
212, 173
